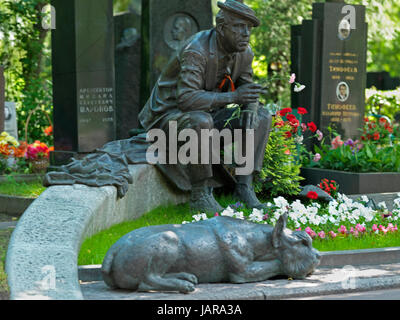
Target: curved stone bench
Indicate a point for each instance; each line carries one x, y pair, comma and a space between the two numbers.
42, 255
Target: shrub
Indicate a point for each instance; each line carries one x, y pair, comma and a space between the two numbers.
280, 172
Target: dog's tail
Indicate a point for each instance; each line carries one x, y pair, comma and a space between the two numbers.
106, 268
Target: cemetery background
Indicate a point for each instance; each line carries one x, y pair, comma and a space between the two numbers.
31, 73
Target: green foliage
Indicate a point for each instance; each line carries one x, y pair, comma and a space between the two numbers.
271, 42
25, 54
385, 103
280, 172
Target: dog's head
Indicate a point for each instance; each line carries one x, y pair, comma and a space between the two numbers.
294, 250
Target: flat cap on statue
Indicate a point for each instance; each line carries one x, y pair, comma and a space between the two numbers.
239, 8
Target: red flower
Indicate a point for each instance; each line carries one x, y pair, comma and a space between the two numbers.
376, 136
288, 134
312, 195
312, 126
301, 111
291, 117
285, 111
279, 124
294, 123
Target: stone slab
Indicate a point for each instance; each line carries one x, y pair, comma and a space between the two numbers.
14, 206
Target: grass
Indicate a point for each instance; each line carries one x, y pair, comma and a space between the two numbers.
21, 189
94, 248
4, 239
368, 241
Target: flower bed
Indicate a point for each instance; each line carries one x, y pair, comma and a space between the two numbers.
340, 218
21, 157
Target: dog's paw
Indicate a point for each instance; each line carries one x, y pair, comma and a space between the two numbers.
187, 287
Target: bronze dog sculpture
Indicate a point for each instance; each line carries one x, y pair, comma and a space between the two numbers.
221, 249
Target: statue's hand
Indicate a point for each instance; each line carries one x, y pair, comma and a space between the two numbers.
248, 93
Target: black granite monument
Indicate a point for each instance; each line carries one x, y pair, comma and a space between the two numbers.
127, 72
165, 25
329, 57
83, 77
2, 99
382, 80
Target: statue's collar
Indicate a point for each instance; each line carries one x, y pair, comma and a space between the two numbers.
222, 53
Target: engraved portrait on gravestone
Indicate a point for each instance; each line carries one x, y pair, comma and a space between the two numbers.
178, 28
128, 38
342, 91
7, 113
344, 29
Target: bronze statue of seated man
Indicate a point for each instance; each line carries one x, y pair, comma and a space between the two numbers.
213, 69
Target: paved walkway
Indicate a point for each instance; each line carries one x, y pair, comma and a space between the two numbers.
323, 282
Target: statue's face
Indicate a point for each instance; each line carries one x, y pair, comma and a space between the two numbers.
236, 34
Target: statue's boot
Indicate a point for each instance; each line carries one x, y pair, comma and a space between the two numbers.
202, 199
244, 192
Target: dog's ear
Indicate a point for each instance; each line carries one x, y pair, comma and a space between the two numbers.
277, 234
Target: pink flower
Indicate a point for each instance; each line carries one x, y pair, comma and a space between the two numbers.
320, 135
375, 228
337, 142
321, 234
317, 157
304, 127
332, 234
383, 229
299, 229
391, 227
292, 78
216, 214
342, 230
310, 232
360, 228
351, 230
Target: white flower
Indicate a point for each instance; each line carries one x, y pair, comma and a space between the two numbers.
382, 205
364, 198
239, 215
299, 87
303, 220
229, 212
299, 139
281, 202
257, 215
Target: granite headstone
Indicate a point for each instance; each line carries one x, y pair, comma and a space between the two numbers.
83, 78
329, 58
127, 72
2, 99
10, 116
382, 80
165, 25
